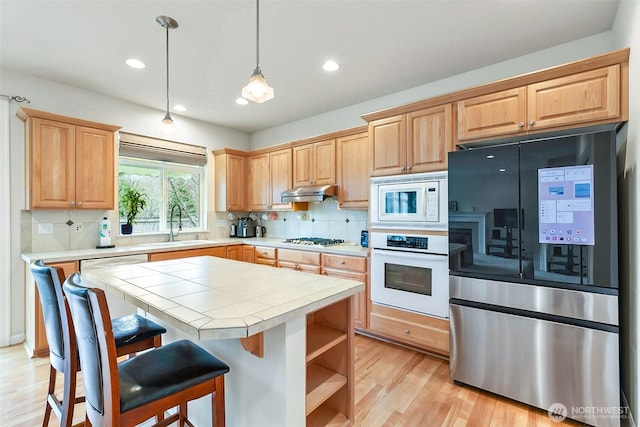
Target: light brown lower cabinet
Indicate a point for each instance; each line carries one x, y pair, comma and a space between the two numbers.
299, 260
420, 331
218, 251
266, 256
40, 344
330, 365
248, 253
354, 268
235, 252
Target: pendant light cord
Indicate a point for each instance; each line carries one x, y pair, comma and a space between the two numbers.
167, 32
257, 34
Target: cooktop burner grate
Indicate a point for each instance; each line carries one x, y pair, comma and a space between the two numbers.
314, 241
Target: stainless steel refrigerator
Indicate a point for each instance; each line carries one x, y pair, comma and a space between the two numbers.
534, 272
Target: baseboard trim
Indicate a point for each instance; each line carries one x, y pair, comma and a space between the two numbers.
375, 336
16, 339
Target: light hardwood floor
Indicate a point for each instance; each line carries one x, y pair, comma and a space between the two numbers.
395, 386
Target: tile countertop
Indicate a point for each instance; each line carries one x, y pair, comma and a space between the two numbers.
145, 248
216, 298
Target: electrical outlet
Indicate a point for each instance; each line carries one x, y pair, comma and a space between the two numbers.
363, 225
78, 227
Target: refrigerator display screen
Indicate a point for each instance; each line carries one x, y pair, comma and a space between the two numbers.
565, 203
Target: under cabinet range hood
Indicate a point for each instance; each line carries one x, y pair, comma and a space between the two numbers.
312, 193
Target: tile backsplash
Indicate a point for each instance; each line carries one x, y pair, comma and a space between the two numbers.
321, 220
56, 230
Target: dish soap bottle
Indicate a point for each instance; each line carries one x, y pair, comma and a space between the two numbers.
105, 233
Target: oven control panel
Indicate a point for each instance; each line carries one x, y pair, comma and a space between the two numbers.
413, 242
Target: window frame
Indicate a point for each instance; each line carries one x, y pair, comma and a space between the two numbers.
164, 167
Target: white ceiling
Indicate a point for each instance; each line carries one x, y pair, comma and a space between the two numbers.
383, 47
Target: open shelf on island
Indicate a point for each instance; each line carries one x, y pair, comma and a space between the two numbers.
321, 338
330, 376
322, 383
327, 417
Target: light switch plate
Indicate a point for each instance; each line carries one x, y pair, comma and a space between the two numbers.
45, 228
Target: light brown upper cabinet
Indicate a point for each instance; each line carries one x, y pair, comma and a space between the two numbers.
583, 98
230, 180
280, 166
353, 171
414, 142
314, 164
258, 191
70, 162
269, 175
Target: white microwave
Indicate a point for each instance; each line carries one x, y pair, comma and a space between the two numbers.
413, 201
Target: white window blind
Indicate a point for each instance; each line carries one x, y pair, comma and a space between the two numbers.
144, 147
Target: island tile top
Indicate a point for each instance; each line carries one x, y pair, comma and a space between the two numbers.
216, 298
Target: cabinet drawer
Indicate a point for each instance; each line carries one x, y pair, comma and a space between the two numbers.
308, 268
341, 262
344, 274
265, 261
422, 331
299, 257
265, 252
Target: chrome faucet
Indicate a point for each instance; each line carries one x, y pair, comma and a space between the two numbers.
171, 235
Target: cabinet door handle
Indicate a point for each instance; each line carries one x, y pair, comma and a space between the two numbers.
406, 331
79, 203
409, 168
531, 122
521, 124
72, 203
402, 168
342, 262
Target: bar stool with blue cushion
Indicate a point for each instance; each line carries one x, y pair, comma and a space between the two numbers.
134, 333
132, 391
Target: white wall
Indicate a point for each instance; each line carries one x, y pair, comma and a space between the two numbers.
627, 34
69, 101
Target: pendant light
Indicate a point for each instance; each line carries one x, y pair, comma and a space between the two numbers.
257, 90
167, 23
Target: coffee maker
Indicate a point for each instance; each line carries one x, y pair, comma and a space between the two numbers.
246, 228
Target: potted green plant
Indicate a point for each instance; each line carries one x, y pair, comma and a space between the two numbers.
132, 202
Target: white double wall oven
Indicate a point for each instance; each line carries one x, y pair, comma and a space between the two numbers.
409, 243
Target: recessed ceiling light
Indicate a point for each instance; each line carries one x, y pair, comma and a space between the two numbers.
502, 170
331, 65
241, 101
490, 156
135, 63
179, 107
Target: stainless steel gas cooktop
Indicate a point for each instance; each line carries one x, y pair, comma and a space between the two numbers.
314, 241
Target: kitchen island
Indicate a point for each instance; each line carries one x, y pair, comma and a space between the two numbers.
287, 336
